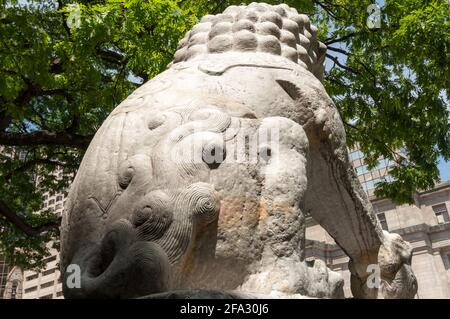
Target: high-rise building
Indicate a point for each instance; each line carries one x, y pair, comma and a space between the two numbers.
370, 178
47, 283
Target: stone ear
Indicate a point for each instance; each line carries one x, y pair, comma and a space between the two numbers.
291, 89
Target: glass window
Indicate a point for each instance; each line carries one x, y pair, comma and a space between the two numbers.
50, 259
355, 155
48, 272
361, 170
382, 163
31, 289
364, 186
377, 180
47, 284
58, 198
32, 277
47, 297
370, 184
382, 219
441, 213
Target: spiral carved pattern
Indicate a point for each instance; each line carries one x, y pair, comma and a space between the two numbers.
204, 119
153, 215
194, 206
205, 205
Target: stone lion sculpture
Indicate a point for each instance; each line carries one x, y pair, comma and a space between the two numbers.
169, 197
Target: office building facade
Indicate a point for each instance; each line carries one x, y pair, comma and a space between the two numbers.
425, 224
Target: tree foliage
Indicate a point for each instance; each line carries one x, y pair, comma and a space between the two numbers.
66, 64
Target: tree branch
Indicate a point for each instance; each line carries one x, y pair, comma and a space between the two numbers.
335, 81
366, 68
397, 156
217, 7
326, 9
45, 137
5, 120
63, 18
345, 37
29, 164
336, 60
29, 230
31, 91
338, 50
112, 56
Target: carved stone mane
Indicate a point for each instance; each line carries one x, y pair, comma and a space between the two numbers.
259, 27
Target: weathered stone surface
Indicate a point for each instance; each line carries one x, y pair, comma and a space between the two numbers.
200, 294
201, 177
216, 294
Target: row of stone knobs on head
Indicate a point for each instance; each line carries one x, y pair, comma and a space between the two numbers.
258, 27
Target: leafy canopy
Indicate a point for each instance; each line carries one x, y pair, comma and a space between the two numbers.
64, 65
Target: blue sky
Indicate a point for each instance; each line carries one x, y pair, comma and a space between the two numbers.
444, 169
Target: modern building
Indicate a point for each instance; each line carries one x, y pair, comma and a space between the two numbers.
47, 283
370, 178
425, 224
